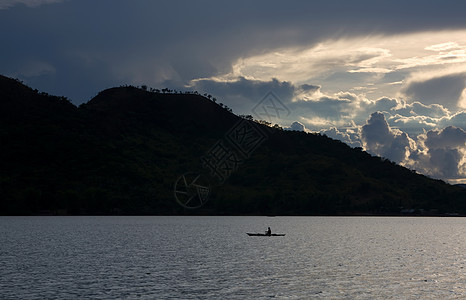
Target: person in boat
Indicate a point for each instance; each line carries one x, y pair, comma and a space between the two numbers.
268, 232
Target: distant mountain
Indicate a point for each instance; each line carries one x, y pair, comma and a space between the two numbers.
124, 150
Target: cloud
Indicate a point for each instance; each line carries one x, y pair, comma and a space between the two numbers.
305, 103
325, 107
445, 89
320, 112
343, 108
419, 109
457, 120
449, 137
243, 95
412, 124
309, 88
307, 92
414, 118
354, 47
441, 154
379, 139
358, 62
384, 104
5, 4
296, 126
303, 63
319, 109
437, 153
444, 46
349, 136
445, 163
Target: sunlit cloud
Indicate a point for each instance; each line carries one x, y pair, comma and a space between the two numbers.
458, 120
296, 126
318, 122
413, 122
443, 46
348, 135
302, 64
375, 65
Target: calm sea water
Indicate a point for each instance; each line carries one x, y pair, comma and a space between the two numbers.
213, 258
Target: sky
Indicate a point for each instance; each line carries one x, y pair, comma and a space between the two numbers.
386, 76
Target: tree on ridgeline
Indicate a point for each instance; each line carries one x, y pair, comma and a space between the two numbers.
247, 117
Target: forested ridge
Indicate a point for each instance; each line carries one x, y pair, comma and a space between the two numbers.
122, 152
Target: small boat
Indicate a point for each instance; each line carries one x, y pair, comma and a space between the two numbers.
265, 234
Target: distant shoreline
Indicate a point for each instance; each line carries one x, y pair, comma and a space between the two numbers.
447, 215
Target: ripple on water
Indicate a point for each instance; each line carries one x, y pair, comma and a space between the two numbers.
212, 257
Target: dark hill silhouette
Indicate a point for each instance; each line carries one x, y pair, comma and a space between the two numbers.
173, 112
122, 152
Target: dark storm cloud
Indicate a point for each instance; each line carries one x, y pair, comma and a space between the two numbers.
309, 88
444, 89
383, 104
104, 43
449, 137
444, 162
5, 4
244, 94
